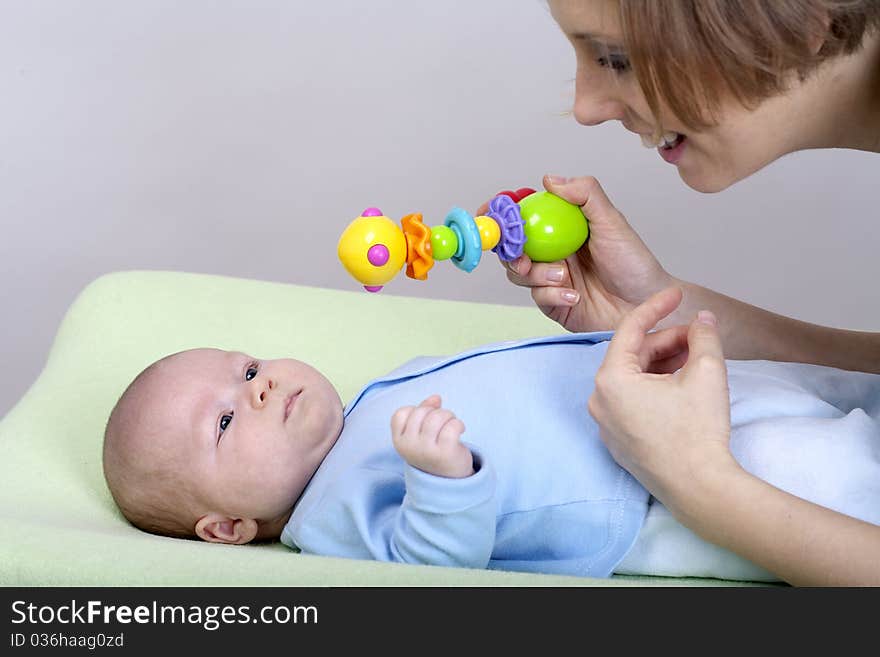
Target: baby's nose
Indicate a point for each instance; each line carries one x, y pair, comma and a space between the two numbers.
260, 392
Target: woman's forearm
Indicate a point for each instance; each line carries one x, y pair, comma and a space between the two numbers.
749, 332
802, 543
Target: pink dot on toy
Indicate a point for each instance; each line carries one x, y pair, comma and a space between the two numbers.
378, 255
372, 212
372, 288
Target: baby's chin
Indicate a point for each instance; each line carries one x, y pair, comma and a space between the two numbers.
339, 420
332, 421
271, 530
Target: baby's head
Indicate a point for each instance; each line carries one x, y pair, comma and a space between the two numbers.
218, 445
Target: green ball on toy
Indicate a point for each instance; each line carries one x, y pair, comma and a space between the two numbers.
444, 243
554, 228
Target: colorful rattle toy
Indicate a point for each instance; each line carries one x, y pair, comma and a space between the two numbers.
542, 225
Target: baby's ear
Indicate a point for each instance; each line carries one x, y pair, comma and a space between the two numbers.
217, 528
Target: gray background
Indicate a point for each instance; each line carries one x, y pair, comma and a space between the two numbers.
240, 138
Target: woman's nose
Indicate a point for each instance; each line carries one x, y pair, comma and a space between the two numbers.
595, 103
260, 389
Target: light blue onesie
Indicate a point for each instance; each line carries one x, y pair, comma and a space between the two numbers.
547, 497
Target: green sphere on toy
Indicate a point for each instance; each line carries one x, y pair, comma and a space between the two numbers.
554, 228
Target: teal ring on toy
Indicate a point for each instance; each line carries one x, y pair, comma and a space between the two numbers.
470, 246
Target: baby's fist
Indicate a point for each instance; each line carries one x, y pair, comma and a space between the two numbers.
428, 436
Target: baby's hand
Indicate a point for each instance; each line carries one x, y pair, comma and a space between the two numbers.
428, 438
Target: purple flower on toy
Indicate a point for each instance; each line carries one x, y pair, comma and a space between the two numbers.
505, 211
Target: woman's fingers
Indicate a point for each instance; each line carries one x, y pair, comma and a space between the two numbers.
668, 365
548, 290
664, 351
626, 345
586, 192
526, 273
706, 355
552, 297
518, 270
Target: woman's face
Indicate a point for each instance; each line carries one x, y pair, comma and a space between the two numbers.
708, 160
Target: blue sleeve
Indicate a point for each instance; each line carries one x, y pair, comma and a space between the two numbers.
418, 518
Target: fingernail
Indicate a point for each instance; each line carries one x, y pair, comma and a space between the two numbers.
555, 274
707, 317
571, 297
557, 180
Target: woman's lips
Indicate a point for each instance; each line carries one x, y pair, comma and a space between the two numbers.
673, 155
290, 403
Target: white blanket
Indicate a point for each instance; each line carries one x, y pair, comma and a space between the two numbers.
812, 431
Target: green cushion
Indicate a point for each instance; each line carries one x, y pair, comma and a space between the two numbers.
59, 523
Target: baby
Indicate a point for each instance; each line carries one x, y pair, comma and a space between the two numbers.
226, 448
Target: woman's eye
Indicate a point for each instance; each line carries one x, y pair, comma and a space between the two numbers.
250, 374
617, 63
224, 422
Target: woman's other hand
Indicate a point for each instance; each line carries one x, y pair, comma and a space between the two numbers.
662, 403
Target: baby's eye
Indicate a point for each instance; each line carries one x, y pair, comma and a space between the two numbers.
617, 63
251, 372
224, 422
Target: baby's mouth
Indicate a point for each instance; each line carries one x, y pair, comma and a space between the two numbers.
290, 403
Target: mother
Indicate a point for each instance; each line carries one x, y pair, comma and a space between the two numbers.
721, 88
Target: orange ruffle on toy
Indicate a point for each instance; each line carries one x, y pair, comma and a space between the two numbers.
419, 258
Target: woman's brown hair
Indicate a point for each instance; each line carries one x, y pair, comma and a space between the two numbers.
690, 53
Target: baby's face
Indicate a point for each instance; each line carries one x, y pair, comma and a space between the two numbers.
250, 433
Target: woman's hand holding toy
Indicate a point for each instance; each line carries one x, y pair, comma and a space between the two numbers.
592, 289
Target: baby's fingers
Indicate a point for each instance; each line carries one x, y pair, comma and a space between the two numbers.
398, 420
435, 421
414, 423
401, 418
434, 401
451, 431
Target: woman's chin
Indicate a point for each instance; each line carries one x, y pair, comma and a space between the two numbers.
705, 182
